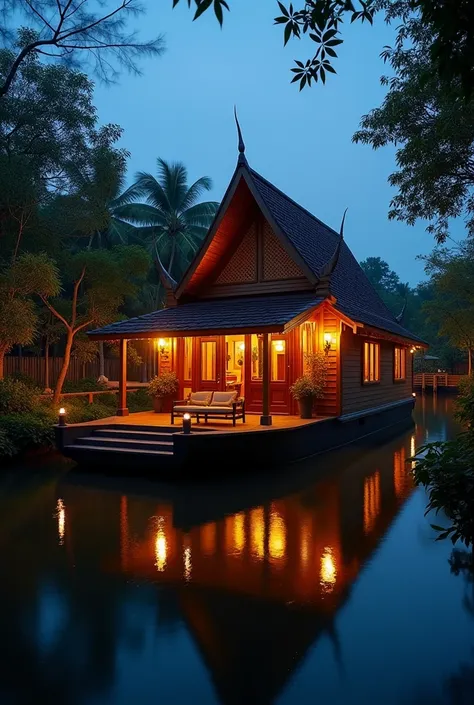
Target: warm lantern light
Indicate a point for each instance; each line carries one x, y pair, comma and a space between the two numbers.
242, 347
279, 347
413, 350
329, 339
277, 536
188, 566
413, 394
62, 417
187, 423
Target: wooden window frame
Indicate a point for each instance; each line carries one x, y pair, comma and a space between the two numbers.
376, 344
403, 364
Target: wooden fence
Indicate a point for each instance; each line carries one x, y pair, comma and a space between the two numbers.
34, 367
435, 380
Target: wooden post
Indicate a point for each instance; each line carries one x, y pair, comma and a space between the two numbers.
265, 418
122, 396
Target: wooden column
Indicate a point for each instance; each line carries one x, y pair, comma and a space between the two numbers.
265, 418
122, 395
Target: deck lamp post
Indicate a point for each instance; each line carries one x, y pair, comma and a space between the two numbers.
187, 423
62, 417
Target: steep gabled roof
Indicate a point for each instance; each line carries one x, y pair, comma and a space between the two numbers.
316, 243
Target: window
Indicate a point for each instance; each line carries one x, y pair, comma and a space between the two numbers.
371, 363
208, 361
278, 361
257, 357
188, 358
400, 364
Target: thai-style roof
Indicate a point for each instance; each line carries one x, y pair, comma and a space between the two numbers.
241, 314
323, 255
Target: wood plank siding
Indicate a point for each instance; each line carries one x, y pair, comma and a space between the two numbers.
330, 405
356, 395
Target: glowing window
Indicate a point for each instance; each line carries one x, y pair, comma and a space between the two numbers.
188, 358
278, 361
371, 362
400, 364
257, 357
308, 338
208, 360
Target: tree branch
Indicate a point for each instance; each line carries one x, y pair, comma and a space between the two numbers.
38, 14
77, 284
55, 312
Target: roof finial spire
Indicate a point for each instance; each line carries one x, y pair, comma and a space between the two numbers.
242, 158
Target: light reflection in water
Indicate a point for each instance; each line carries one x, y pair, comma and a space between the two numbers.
328, 572
188, 566
277, 542
371, 501
61, 517
305, 542
413, 449
239, 532
257, 533
208, 539
161, 545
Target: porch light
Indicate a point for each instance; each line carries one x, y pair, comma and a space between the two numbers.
279, 347
62, 417
412, 350
413, 394
329, 340
162, 345
242, 347
187, 423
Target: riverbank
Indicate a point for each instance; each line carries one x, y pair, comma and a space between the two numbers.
27, 420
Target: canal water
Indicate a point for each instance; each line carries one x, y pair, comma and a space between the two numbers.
323, 584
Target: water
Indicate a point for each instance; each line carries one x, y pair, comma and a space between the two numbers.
321, 585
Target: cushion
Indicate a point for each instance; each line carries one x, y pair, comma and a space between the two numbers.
223, 398
190, 409
200, 398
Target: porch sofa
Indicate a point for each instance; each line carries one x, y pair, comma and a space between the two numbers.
210, 405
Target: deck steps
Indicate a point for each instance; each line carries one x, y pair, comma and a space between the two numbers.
112, 443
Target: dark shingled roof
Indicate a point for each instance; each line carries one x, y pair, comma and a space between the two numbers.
316, 243
228, 314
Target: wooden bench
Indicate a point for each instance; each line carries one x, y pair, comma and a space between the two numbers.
207, 405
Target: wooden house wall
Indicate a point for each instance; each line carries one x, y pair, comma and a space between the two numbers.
356, 395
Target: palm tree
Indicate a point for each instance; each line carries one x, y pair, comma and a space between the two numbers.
170, 222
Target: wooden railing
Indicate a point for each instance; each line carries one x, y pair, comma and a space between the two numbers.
90, 395
433, 380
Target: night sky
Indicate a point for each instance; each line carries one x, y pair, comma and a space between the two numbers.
181, 109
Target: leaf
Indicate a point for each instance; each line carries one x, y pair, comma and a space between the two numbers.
202, 7
322, 74
283, 9
218, 12
287, 33
303, 82
329, 34
331, 52
333, 43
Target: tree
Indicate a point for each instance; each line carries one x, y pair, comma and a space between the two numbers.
432, 126
100, 282
452, 305
29, 274
380, 275
77, 31
450, 23
170, 223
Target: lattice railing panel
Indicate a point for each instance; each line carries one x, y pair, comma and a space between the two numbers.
277, 263
242, 268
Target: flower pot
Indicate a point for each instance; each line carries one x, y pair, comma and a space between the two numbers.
306, 407
158, 404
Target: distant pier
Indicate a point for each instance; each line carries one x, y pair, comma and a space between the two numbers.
436, 380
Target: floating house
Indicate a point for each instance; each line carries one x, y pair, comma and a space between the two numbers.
271, 284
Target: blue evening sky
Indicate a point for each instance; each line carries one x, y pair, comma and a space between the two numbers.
181, 109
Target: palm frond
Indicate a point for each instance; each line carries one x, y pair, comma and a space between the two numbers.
201, 214
141, 214
149, 188
173, 178
195, 191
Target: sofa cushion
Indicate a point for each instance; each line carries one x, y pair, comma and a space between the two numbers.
200, 398
223, 398
191, 409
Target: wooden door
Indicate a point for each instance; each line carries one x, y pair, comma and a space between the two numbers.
210, 364
280, 355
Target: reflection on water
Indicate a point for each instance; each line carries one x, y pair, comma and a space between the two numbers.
261, 592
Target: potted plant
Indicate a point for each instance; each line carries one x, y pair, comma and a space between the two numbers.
310, 385
161, 388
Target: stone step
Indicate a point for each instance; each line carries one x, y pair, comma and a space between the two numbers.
137, 435
147, 429
114, 449
120, 442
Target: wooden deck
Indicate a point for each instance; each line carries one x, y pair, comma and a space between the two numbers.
252, 422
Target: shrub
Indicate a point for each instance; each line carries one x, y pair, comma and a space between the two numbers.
312, 383
465, 401
139, 401
17, 397
27, 430
303, 388
7, 448
26, 379
163, 385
